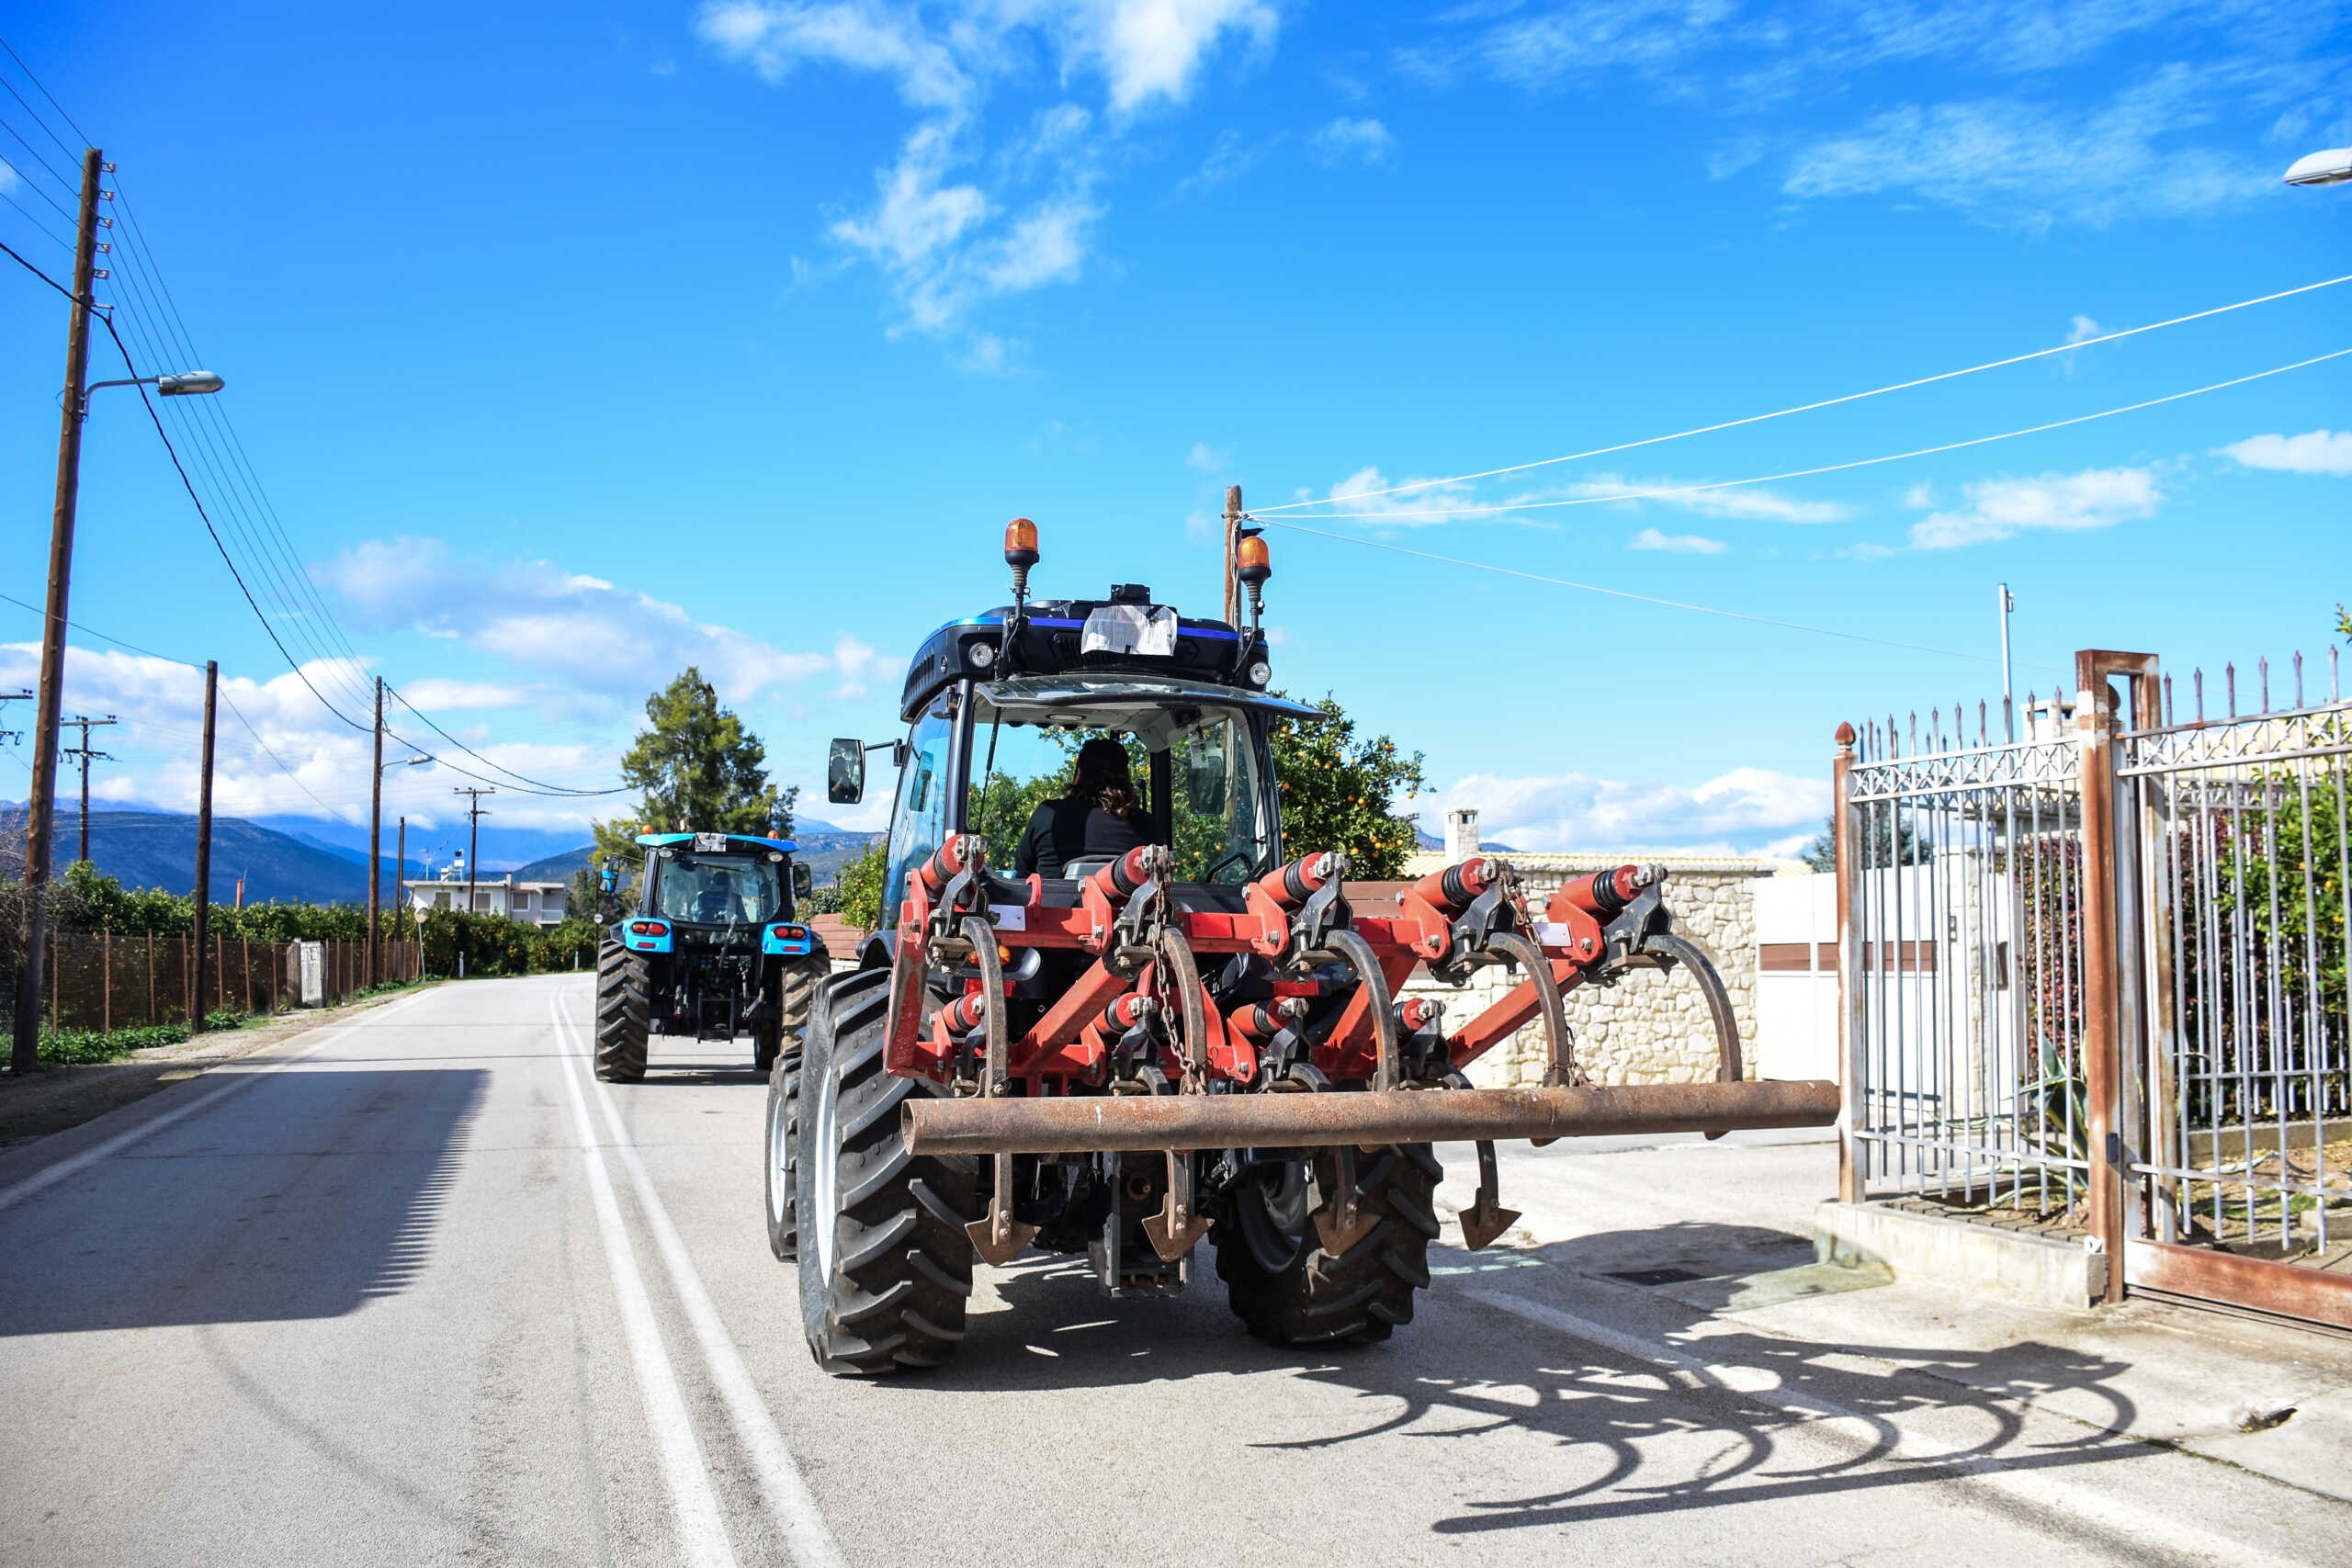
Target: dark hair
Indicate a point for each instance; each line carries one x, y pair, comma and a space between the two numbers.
1101, 777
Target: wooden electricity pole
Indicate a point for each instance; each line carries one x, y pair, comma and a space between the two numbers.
473, 839
399, 880
41, 802
204, 844
1232, 543
87, 757
376, 833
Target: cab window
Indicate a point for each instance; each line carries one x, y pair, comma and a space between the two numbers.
919, 821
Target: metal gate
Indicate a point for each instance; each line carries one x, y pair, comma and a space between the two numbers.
2094, 980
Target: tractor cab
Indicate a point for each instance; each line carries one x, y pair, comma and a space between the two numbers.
1000, 706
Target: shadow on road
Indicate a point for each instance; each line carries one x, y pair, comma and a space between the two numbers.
307, 1195
1633, 1436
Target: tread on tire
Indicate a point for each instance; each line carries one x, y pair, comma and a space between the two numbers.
624, 1013
1288, 1291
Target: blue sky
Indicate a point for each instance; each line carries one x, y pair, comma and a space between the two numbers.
573, 344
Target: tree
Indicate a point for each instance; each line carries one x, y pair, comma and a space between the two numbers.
1336, 790
698, 770
861, 886
1888, 839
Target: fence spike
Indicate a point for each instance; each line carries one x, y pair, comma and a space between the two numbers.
2201, 693
2032, 716
2330, 676
2167, 702
1984, 715
2229, 679
1892, 748
2263, 666
2299, 677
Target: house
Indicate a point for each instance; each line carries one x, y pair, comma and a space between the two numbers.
533, 903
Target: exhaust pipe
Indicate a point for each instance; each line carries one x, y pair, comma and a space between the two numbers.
1107, 1123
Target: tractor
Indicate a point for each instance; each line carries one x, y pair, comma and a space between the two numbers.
711, 950
1119, 1055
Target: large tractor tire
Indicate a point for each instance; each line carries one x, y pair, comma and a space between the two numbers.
797, 983
886, 1266
1287, 1290
624, 1013
783, 1162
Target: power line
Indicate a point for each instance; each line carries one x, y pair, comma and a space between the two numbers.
1824, 469
37, 272
540, 783
1825, 403
38, 191
34, 218
45, 93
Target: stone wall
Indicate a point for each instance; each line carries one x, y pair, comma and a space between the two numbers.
1652, 1025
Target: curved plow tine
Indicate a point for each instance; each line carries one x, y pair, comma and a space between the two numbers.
999, 1239
1342, 1221
1485, 1218
1672, 952
1178, 1227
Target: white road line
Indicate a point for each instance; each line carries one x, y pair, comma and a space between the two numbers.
2043, 1491
701, 1530
790, 1503
49, 1175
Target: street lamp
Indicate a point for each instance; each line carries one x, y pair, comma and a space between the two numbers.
2333, 167
178, 384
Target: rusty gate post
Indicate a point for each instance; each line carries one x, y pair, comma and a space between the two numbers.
2104, 1025
1849, 1036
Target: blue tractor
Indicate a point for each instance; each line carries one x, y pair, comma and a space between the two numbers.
711, 950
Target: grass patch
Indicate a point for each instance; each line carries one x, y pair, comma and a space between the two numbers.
89, 1047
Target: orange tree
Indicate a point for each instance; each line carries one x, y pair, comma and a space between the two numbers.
1336, 792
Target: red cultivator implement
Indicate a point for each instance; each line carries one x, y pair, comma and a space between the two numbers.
1124, 1053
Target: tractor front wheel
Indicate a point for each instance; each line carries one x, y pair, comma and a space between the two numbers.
783, 1162
624, 1013
886, 1265
1287, 1288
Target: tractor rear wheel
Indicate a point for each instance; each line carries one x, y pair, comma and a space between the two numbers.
783, 1162
796, 991
624, 1013
1287, 1290
885, 1265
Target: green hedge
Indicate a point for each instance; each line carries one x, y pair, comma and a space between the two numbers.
492, 944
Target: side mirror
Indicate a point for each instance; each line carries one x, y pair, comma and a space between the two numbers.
804, 880
845, 773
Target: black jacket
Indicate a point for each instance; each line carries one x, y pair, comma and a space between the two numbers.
1060, 831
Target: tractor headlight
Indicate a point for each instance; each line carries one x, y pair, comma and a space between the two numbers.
1260, 673
979, 653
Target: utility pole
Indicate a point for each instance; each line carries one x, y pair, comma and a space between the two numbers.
87, 757
1232, 543
41, 800
473, 839
376, 832
204, 844
2008, 710
399, 880
5, 698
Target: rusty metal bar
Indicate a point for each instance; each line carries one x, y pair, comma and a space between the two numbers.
1094, 1124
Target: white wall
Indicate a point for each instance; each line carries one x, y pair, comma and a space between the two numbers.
1796, 1012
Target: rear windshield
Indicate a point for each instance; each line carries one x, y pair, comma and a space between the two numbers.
715, 889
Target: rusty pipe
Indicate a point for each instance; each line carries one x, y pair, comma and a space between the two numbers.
1095, 1124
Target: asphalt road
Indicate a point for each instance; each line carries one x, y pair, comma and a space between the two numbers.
417, 1290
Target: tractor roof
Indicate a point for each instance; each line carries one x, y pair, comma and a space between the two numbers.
657, 841
1124, 633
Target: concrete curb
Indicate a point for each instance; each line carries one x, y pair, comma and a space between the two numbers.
2034, 1270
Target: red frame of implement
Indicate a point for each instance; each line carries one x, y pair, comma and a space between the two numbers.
1068, 1044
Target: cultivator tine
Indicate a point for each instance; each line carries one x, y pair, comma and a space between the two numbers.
1485, 1218
999, 1239
1360, 957
1178, 1227
1342, 1222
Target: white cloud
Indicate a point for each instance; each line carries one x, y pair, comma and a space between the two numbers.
581, 628
1747, 808
1679, 544
2024, 152
1742, 502
1996, 509
2083, 329
2313, 452
1209, 459
1229, 159
2020, 164
953, 226
1345, 141
1458, 500
432, 694
278, 751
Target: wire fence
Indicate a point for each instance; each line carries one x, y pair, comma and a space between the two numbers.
106, 982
